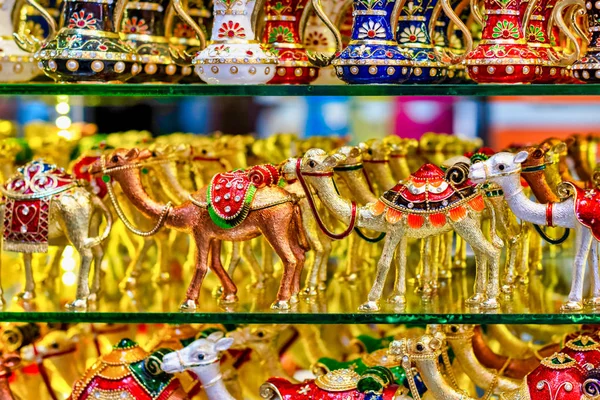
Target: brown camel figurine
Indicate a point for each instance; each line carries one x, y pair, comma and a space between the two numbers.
7, 363
272, 212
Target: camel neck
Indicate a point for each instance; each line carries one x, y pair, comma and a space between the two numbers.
66, 366
436, 382
540, 187
170, 184
521, 205
212, 382
5, 392
269, 358
358, 186
399, 167
382, 175
336, 205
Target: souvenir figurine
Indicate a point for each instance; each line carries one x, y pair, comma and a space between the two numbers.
233, 56
202, 357
282, 34
429, 203
8, 362
375, 383
502, 55
373, 55
42, 205
237, 206
130, 373
16, 64
15, 336
143, 28
87, 46
575, 211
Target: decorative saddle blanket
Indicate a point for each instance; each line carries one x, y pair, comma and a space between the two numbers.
27, 198
230, 194
587, 208
81, 170
426, 194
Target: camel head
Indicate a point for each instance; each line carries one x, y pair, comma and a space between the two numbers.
180, 151
554, 149
427, 346
119, 161
54, 343
255, 336
317, 161
536, 157
498, 168
352, 153
375, 150
198, 354
458, 332
401, 146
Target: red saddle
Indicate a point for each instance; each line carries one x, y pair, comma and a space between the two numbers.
587, 208
230, 194
310, 390
81, 170
427, 193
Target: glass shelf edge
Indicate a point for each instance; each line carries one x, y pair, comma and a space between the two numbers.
300, 318
166, 90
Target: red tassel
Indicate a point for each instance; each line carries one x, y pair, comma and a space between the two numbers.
437, 220
415, 221
477, 204
392, 216
458, 213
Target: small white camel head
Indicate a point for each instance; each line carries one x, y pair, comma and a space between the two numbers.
198, 354
318, 162
498, 168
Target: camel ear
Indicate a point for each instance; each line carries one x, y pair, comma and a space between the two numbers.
215, 336
333, 160
144, 154
132, 154
560, 148
354, 152
223, 344
520, 157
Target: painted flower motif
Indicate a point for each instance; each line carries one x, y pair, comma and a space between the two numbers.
413, 34
304, 390
73, 41
362, 51
535, 34
231, 30
498, 50
183, 30
34, 29
218, 50
314, 39
102, 47
279, 34
79, 20
371, 30
134, 25
439, 39
505, 30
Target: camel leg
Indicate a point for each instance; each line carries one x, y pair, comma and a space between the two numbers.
300, 255
510, 269
446, 255
398, 296
162, 271
594, 300
281, 245
583, 242
487, 278
250, 259
267, 258
311, 285
134, 268
327, 248
428, 260
460, 257
236, 257
52, 271
524, 241
29, 292
229, 295
98, 252
383, 267
201, 258
83, 285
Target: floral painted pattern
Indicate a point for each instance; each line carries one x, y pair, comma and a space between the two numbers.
505, 30
498, 50
79, 20
231, 30
535, 34
133, 25
219, 50
439, 39
315, 39
183, 30
371, 30
362, 51
35, 29
413, 34
280, 34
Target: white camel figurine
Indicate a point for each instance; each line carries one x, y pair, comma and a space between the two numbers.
504, 169
202, 357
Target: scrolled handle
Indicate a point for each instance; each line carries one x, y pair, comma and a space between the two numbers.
447, 56
23, 37
321, 59
574, 8
181, 57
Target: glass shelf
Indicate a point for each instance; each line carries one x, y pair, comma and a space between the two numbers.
538, 303
37, 89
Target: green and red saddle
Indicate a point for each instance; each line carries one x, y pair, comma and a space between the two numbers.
229, 195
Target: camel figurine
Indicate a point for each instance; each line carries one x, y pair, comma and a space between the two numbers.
202, 357
46, 206
460, 210
504, 169
8, 362
272, 212
424, 352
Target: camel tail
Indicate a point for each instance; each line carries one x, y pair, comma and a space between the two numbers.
95, 241
298, 227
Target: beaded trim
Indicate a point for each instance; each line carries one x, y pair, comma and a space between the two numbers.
86, 55
144, 5
203, 204
295, 64
412, 18
503, 41
369, 12
280, 18
367, 63
509, 61
24, 59
502, 12
427, 212
208, 61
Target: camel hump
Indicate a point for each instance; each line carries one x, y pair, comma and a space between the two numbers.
36, 180
587, 207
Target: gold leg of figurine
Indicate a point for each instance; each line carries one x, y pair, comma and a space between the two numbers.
134, 269
460, 255
28, 292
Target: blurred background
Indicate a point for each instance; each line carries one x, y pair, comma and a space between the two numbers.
500, 121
